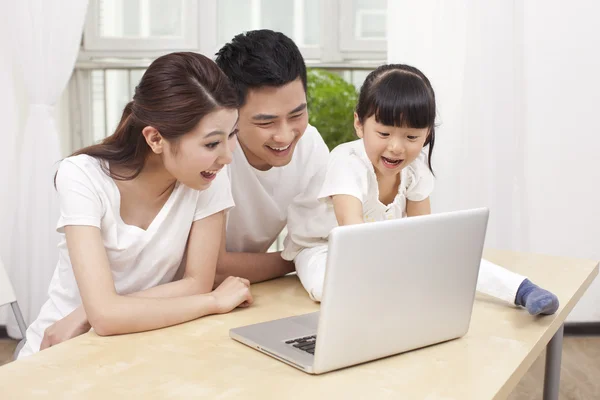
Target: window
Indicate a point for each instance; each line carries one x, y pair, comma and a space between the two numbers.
112, 88
325, 30
298, 19
122, 37
363, 26
141, 25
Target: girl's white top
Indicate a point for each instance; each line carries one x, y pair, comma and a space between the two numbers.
350, 172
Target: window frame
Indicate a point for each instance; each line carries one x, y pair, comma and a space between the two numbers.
349, 43
93, 42
338, 43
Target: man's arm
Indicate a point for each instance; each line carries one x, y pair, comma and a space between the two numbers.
256, 267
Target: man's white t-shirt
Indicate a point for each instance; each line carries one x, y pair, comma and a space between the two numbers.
267, 201
139, 259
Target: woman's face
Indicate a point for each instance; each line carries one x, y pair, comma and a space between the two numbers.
196, 157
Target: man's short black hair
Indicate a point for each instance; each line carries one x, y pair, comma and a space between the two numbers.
261, 58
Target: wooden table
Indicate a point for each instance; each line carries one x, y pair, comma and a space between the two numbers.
199, 360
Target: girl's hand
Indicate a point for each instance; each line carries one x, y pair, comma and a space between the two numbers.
233, 292
71, 326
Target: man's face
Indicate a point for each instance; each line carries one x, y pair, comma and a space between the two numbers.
271, 122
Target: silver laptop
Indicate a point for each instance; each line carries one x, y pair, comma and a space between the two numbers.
390, 287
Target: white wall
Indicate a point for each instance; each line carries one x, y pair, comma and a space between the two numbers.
518, 88
562, 43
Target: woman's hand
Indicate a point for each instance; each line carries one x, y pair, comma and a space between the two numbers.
233, 292
71, 326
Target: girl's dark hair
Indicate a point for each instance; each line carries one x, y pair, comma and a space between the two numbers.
175, 93
399, 95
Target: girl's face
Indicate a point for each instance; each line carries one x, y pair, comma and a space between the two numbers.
197, 157
390, 148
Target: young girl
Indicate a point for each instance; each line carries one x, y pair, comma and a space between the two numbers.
146, 200
385, 175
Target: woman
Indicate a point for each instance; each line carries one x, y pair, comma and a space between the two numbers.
146, 200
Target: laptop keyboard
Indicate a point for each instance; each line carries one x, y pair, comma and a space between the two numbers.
306, 343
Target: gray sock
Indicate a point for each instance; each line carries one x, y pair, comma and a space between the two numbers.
535, 299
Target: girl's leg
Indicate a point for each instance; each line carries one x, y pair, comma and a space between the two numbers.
310, 266
498, 282
515, 289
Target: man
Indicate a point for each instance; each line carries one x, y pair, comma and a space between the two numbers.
278, 167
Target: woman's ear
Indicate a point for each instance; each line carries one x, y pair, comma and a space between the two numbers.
154, 139
358, 127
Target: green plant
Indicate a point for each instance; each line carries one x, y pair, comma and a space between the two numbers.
331, 103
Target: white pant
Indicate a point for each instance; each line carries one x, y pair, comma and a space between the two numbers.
493, 280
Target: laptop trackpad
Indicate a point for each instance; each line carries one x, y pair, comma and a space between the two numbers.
308, 321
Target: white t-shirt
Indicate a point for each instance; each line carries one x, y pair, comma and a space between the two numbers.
139, 259
268, 200
350, 172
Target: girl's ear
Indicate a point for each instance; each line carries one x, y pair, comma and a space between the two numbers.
430, 136
358, 127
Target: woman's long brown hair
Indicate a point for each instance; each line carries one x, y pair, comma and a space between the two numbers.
175, 93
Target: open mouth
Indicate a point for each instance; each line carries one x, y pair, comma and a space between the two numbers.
391, 162
209, 175
283, 150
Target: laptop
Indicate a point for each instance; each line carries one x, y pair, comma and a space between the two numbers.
390, 287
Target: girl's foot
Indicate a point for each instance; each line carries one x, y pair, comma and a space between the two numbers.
535, 299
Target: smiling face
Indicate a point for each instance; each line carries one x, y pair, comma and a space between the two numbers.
395, 116
199, 155
272, 120
390, 148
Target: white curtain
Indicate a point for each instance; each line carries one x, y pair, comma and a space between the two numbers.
9, 117
518, 92
47, 35
472, 53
